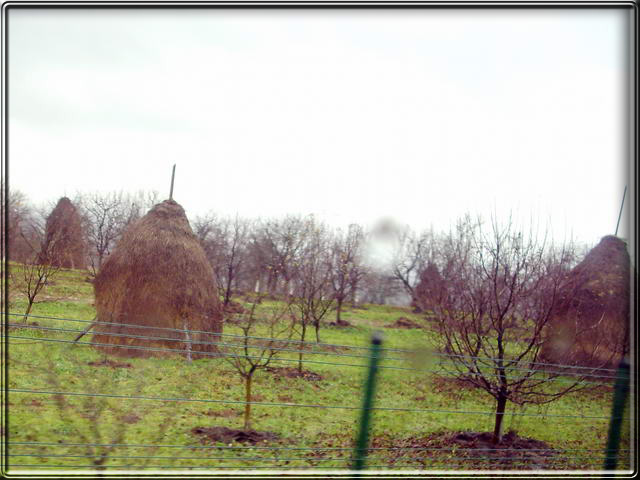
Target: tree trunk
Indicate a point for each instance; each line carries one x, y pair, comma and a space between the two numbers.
227, 291
26, 314
316, 324
100, 258
272, 287
247, 405
227, 294
339, 308
497, 431
269, 282
304, 334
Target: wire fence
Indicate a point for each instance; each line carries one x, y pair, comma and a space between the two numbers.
507, 360
313, 348
88, 413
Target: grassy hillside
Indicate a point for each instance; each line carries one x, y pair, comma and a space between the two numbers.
151, 402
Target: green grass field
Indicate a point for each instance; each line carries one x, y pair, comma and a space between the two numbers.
160, 401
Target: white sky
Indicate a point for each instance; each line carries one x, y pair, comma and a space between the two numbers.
354, 115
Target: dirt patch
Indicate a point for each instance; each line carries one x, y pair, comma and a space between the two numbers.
110, 363
404, 322
228, 435
474, 450
130, 418
221, 413
340, 323
292, 372
483, 440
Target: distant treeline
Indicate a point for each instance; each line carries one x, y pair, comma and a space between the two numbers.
272, 256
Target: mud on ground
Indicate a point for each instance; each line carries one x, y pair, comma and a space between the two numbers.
209, 435
472, 451
292, 372
110, 363
404, 322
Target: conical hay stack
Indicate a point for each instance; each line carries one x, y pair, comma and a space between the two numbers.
158, 276
590, 322
429, 288
64, 243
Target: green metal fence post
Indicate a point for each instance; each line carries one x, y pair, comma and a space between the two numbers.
363, 435
620, 394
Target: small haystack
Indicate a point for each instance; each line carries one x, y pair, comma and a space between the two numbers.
429, 288
158, 276
64, 243
590, 323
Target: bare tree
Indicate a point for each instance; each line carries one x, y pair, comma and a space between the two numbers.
106, 215
225, 242
256, 354
410, 257
493, 312
35, 276
36, 273
379, 287
24, 227
210, 231
105, 223
237, 234
313, 296
277, 244
204, 225
346, 265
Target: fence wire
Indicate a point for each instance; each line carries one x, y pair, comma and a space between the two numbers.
220, 354
319, 344
302, 405
567, 372
261, 447
112, 457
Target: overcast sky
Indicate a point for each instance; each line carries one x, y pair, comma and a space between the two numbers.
354, 115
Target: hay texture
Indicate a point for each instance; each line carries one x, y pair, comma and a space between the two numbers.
158, 276
590, 321
429, 289
64, 243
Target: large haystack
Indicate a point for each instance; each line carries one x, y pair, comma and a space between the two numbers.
590, 323
64, 242
429, 288
158, 276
